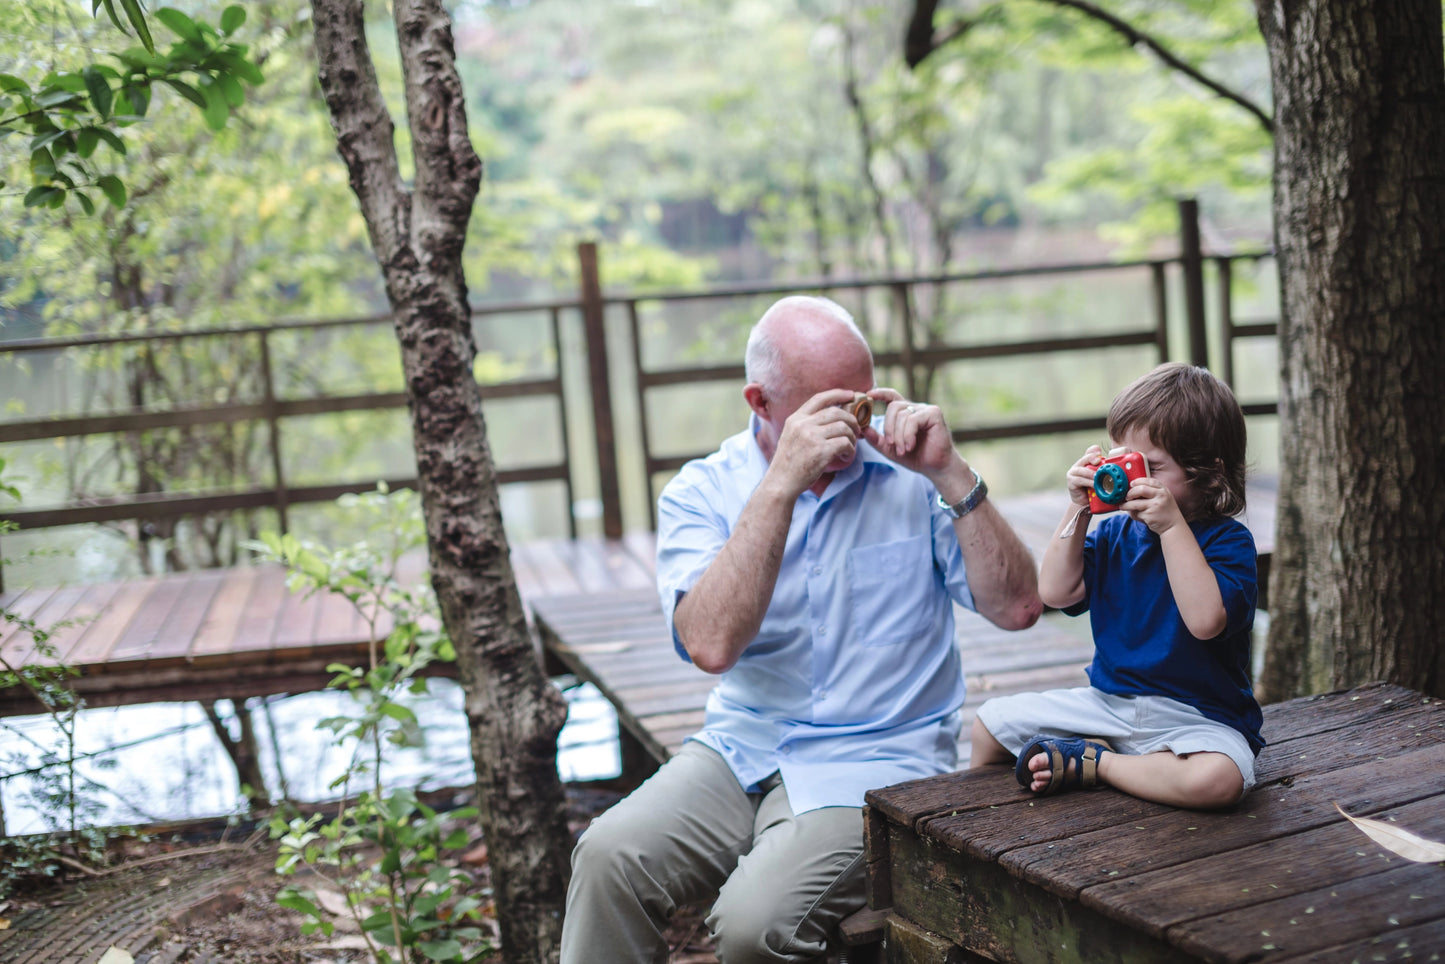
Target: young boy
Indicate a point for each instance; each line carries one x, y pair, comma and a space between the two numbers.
1170, 585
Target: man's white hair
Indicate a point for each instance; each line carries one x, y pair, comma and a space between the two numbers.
761, 359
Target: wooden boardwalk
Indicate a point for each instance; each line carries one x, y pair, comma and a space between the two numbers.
969, 863
223, 633
235, 633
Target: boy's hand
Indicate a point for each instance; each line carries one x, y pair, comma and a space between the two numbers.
1081, 475
1151, 502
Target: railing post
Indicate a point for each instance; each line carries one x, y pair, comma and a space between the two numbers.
1226, 319
597, 370
273, 422
1191, 259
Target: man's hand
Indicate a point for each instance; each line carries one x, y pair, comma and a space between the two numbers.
818, 434
914, 435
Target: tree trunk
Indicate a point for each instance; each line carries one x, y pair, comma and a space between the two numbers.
245, 756
1358, 583
417, 234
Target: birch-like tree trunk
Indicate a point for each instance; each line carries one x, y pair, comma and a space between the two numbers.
1358, 584
417, 232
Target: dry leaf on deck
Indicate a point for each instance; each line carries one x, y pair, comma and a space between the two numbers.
1403, 842
114, 955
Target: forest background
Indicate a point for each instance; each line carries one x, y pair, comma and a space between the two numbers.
696, 142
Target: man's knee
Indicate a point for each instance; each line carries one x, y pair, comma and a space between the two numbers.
753, 924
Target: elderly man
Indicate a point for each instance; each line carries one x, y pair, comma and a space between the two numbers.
812, 562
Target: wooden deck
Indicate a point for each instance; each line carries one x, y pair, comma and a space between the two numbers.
227, 633
223, 633
969, 863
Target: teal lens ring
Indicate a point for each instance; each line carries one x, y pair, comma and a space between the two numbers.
1111, 485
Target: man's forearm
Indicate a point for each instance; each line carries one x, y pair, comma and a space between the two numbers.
720, 615
1001, 572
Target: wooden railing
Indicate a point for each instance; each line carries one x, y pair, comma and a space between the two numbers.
911, 358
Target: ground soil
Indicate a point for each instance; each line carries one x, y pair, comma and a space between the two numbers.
208, 904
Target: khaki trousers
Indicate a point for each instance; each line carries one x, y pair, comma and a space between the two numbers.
782, 883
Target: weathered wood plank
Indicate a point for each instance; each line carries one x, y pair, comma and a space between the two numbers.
1351, 920
1322, 857
1179, 836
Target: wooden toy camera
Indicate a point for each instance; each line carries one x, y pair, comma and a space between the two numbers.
1112, 480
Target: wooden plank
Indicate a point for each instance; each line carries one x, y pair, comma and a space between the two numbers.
1353, 920
97, 599
176, 636
1179, 836
1323, 857
141, 632
22, 648
92, 650
257, 624
23, 605
218, 629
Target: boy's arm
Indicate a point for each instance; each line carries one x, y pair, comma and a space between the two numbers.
1191, 578
1196, 590
1061, 573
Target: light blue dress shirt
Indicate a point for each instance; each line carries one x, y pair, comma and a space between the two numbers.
853, 681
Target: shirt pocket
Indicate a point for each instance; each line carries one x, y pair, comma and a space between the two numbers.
891, 590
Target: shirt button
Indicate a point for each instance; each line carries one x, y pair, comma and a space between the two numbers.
817, 570
822, 694
785, 750
822, 630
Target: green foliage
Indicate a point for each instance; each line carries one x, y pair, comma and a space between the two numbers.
68, 114
58, 791
385, 850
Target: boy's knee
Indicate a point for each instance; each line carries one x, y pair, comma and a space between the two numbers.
1215, 781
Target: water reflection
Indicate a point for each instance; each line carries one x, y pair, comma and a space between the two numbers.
161, 761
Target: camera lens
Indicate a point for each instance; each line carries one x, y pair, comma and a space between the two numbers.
1111, 485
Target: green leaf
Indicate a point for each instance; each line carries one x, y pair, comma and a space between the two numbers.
111, 138
188, 92
12, 83
217, 112
113, 188
231, 87
293, 899
41, 195
137, 18
86, 140
86, 204
232, 18
46, 139
100, 93
457, 838
447, 950
180, 24
52, 97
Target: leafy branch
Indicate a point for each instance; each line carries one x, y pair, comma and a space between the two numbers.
921, 40
70, 114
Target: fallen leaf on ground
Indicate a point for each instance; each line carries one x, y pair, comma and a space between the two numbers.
1394, 839
477, 856
114, 955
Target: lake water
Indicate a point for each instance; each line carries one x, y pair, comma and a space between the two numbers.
162, 761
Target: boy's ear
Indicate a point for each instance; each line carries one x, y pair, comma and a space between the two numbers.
756, 399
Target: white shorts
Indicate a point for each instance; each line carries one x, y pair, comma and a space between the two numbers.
1131, 724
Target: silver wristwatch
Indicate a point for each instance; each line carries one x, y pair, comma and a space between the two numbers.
969, 502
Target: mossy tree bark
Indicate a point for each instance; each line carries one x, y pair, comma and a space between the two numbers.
417, 232
1358, 583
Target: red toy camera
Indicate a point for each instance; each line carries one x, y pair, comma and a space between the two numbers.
1112, 480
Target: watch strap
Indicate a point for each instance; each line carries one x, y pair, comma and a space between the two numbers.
969, 502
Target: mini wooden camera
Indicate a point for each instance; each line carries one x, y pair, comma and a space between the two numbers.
1112, 480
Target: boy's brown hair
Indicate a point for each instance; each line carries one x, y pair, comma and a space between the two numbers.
1193, 416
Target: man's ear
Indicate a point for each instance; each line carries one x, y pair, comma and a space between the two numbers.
757, 400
